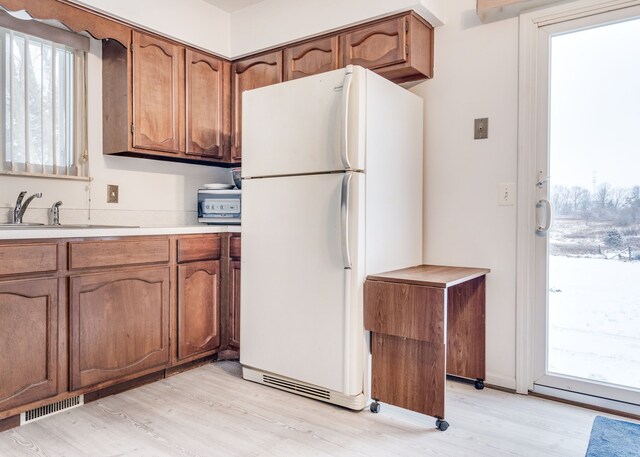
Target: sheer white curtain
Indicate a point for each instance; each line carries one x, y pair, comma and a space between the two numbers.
43, 110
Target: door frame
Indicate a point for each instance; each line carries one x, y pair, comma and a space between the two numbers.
530, 138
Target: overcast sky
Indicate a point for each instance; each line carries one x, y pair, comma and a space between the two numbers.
595, 106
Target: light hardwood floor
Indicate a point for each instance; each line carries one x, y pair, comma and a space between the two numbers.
211, 411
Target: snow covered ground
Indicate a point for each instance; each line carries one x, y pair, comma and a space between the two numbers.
594, 319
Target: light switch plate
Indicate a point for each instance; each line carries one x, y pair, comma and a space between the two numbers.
481, 128
507, 193
112, 193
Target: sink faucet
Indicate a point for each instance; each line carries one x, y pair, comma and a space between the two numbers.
20, 208
55, 213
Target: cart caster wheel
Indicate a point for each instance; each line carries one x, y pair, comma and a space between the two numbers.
442, 425
479, 384
375, 407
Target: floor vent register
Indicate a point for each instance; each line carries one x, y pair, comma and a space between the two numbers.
51, 409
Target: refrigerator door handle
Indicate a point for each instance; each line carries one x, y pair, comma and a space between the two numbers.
344, 139
344, 211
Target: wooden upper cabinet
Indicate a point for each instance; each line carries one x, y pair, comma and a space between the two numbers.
312, 57
247, 74
377, 45
399, 48
166, 101
158, 93
208, 89
29, 335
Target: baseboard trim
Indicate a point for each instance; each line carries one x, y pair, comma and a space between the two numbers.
9, 422
502, 381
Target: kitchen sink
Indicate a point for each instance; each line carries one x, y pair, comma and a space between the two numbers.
27, 225
20, 225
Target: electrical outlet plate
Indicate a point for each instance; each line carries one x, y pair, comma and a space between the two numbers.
481, 128
507, 193
112, 193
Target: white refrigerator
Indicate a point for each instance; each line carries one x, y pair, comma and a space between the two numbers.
331, 192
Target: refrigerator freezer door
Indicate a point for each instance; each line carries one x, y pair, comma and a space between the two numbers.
299, 318
297, 127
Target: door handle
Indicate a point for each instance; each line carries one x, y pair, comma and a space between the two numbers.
344, 137
344, 211
543, 229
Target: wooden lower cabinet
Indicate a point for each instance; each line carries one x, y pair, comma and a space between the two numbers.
198, 308
30, 329
119, 325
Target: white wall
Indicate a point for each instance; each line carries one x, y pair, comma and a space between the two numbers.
475, 76
273, 22
192, 21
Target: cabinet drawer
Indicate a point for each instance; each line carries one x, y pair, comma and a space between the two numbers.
234, 247
198, 248
409, 311
108, 253
18, 259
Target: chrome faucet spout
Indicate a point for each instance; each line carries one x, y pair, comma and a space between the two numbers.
19, 210
55, 213
18, 207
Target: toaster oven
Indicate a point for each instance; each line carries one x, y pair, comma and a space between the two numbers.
219, 206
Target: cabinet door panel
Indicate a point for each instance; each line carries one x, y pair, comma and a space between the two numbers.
311, 58
29, 341
234, 309
207, 120
377, 45
157, 68
119, 324
250, 74
198, 308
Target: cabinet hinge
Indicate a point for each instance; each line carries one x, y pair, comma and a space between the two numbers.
406, 26
406, 49
133, 128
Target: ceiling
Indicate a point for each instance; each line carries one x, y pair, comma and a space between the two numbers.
232, 5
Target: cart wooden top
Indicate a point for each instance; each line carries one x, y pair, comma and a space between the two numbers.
431, 275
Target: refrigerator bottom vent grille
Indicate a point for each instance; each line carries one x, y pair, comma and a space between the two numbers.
295, 387
51, 409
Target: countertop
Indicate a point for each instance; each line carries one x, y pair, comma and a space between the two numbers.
102, 231
431, 275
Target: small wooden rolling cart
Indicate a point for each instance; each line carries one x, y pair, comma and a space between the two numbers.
426, 322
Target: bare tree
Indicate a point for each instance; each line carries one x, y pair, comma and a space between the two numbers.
617, 197
579, 198
602, 196
632, 199
561, 199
